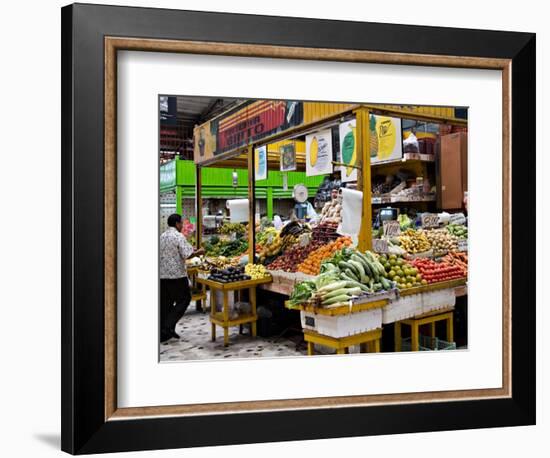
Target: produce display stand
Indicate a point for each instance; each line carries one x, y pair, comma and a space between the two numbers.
428, 318
397, 310
336, 311
457, 284
368, 341
242, 156
222, 318
284, 282
317, 116
198, 297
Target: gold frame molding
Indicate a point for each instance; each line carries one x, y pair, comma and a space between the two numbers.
114, 44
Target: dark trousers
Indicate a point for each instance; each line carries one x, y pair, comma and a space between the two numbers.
174, 300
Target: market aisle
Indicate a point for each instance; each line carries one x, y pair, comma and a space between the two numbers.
195, 343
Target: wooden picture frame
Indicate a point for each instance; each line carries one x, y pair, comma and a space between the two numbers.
91, 37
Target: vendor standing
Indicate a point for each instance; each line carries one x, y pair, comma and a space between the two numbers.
175, 294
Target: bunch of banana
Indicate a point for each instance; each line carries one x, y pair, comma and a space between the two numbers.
288, 241
272, 247
263, 236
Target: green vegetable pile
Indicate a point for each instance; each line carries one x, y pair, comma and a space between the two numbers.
459, 230
218, 247
348, 274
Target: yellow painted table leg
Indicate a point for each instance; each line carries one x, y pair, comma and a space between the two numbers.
253, 307
225, 319
397, 339
414, 337
340, 351
376, 344
450, 330
432, 329
310, 348
212, 312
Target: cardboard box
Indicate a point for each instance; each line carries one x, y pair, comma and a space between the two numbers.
453, 170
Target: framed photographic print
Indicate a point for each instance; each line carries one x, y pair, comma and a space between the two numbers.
378, 283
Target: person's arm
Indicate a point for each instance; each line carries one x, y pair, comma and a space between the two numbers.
185, 249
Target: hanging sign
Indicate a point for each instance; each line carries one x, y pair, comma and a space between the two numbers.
288, 157
244, 125
430, 220
385, 139
319, 153
348, 150
168, 175
260, 161
392, 228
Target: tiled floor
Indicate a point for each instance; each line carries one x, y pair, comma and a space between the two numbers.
195, 343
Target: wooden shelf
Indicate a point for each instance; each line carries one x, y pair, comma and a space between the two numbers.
235, 285
406, 157
217, 318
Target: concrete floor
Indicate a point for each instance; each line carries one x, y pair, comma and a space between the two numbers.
195, 342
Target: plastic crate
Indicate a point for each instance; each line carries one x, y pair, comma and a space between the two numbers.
437, 300
427, 343
402, 308
342, 325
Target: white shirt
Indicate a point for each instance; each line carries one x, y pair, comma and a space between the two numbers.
174, 250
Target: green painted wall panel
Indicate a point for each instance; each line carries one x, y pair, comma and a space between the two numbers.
218, 182
185, 176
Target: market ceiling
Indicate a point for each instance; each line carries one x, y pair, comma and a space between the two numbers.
194, 110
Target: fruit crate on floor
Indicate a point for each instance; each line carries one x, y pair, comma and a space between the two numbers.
427, 343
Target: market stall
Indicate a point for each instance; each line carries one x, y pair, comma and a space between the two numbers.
383, 236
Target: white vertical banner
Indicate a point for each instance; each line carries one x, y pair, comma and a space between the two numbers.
319, 153
260, 161
348, 150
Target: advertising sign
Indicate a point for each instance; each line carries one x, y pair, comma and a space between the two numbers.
385, 139
260, 161
288, 157
245, 124
168, 175
348, 150
319, 153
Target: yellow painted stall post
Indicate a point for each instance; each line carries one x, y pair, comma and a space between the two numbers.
198, 205
363, 177
251, 206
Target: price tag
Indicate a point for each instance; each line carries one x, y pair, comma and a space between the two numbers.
391, 228
462, 245
430, 220
380, 245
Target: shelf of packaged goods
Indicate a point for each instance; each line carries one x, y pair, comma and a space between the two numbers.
406, 157
398, 200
